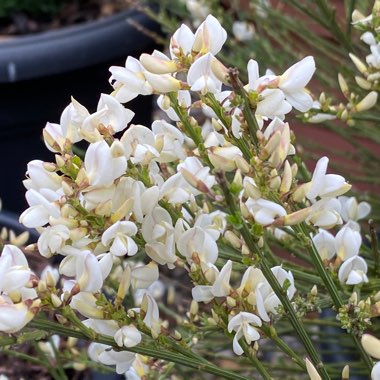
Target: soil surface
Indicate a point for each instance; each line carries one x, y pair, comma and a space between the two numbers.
69, 13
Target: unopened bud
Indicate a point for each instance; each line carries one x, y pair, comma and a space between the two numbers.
245, 250
358, 63
364, 84
234, 240
357, 16
343, 85
163, 82
157, 65
312, 372
79, 366
231, 302
367, 102
171, 295
220, 71
296, 217
242, 164
287, 178
371, 345
194, 307
56, 301
177, 335
194, 181
314, 291
125, 282
346, 373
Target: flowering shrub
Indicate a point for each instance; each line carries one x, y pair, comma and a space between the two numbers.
225, 202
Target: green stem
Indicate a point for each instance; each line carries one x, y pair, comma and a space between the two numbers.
332, 289
247, 112
281, 294
160, 353
255, 361
272, 334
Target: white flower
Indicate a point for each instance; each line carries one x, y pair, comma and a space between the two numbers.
201, 77
43, 205
152, 316
110, 114
128, 336
88, 271
184, 100
348, 241
220, 287
251, 278
241, 323
353, 271
71, 121
172, 141
352, 210
158, 232
264, 211
39, 177
13, 317
243, 31
120, 235
324, 242
266, 299
139, 144
197, 241
375, 373
181, 42
14, 270
102, 168
325, 213
209, 37
129, 81
293, 83
326, 185
142, 276
85, 303
103, 354
52, 239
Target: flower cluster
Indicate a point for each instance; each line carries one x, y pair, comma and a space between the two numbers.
207, 197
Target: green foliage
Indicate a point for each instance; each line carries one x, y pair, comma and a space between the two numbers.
32, 7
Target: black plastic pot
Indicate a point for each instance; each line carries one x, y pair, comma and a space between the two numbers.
38, 75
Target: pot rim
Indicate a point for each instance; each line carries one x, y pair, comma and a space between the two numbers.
73, 47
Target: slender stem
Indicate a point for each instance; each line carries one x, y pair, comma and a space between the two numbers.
374, 246
272, 334
255, 361
247, 112
159, 353
281, 294
333, 290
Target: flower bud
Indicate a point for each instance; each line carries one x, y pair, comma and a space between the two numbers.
346, 373
358, 63
163, 83
234, 240
157, 65
343, 85
56, 301
367, 102
364, 84
296, 217
312, 372
287, 178
371, 345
